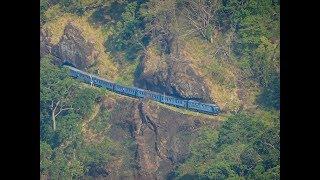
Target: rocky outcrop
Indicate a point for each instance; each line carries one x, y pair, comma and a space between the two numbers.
74, 49
45, 42
172, 74
161, 135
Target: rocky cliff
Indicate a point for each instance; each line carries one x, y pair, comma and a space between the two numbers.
45, 42
172, 74
75, 49
161, 135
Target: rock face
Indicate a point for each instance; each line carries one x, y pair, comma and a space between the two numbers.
162, 136
172, 74
74, 49
45, 42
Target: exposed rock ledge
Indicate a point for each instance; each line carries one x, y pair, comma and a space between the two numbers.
162, 135
74, 49
172, 74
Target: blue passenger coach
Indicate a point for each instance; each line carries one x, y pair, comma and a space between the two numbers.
124, 90
173, 101
202, 107
153, 95
141, 93
80, 74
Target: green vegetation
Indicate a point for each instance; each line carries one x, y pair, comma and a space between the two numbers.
127, 35
257, 25
101, 123
64, 103
245, 147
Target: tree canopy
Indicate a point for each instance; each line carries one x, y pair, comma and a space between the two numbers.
245, 147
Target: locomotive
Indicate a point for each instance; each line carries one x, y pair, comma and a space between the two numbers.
193, 105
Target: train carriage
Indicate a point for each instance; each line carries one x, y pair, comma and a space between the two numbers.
125, 90
84, 77
181, 103
80, 75
97, 81
140, 93
153, 95
74, 73
173, 101
107, 85
200, 106
215, 109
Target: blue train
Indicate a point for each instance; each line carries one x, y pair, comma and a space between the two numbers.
142, 93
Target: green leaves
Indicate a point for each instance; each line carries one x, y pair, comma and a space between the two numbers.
257, 29
129, 16
65, 168
45, 156
203, 147
75, 6
219, 170
128, 36
69, 127
270, 95
54, 82
84, 101
244, 147
62, 152
239, 128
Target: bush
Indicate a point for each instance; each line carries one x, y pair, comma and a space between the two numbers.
270, 95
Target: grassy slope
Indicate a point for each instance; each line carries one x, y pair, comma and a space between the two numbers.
221, 75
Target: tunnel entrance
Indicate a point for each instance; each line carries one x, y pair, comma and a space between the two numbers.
67, 63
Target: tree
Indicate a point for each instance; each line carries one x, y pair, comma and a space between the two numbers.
96, 156
270, 95
246, 147
65, 168
200, 16
45, 157
203, 146
239, 128
69, 128
56, 89
219, 170
127, 35
84, 100
75, 6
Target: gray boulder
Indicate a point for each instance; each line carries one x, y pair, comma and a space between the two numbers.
75, 49
172, 74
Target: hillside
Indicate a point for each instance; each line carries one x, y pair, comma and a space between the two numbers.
223, 52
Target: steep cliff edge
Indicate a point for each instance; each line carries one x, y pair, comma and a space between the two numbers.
161, 135
172, 74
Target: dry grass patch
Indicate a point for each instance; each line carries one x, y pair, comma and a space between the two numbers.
220, 76
107, 68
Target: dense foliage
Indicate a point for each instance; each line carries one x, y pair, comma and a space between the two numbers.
128, 36
257, 41
63, 152
245, 147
